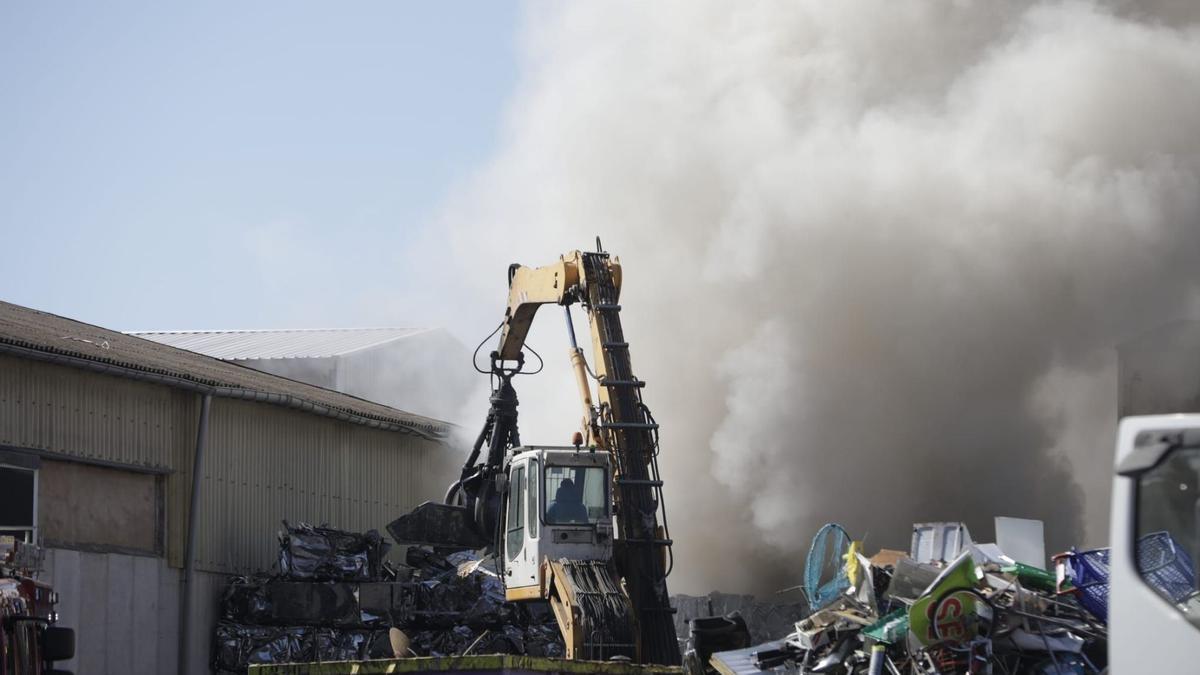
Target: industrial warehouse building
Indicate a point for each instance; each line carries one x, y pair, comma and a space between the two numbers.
429, 364
99, 434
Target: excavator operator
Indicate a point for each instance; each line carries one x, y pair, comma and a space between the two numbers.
567, 506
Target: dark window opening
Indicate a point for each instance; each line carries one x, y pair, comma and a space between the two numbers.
18, 506
534, 514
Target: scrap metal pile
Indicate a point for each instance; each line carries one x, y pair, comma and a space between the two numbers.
335, 598
332, 599
459, 608
764, 619
948, 605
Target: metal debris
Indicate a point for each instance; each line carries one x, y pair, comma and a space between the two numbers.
325, 554
951, 606
714, 634
765, 619
436, 605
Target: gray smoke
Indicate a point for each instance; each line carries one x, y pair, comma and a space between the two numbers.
877, 253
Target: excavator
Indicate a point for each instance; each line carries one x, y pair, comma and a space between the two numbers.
583, 526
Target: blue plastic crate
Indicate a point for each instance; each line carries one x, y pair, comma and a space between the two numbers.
1090, 569
1164, 565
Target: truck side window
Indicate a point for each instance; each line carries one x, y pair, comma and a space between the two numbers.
534, 516
1168, 541
516, 514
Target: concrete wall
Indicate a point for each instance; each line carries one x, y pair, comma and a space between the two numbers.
125, 611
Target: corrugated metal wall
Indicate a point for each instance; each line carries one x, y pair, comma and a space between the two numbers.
93, 417
265, 464
102, 418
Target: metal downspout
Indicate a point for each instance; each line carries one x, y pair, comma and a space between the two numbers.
189, 551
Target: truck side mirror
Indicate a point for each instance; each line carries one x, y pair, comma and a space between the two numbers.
502, 483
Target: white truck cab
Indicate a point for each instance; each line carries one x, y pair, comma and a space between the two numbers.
556, 505
1154, 610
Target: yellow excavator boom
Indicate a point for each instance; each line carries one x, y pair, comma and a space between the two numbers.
562, 283
617, 422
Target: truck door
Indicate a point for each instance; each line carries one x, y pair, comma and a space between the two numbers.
1153, 595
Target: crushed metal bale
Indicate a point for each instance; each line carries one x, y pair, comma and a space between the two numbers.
326, 554
336, 598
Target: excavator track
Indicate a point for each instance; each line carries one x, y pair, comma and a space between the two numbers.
642, 544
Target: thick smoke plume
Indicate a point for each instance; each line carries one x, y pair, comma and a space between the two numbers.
872, 250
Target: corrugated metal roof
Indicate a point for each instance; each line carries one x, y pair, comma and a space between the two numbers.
29, 329
311, 343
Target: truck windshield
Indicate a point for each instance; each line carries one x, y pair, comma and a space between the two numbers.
575, 495
1168, 527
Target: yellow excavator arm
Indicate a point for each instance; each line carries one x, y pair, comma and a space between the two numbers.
562, 283
528, 289
618, 423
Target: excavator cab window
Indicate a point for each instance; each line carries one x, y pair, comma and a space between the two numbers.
516, 514
580, 495
533, 499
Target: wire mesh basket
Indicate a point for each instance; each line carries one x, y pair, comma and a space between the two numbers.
825, 575
1090, 571
1164, 565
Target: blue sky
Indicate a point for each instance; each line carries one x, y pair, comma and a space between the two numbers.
217, 165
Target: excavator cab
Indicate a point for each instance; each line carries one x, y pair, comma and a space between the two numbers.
556, 506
